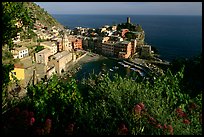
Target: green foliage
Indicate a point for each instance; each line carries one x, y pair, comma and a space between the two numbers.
101, 104
55, 99
14, 12
131, 27
39, 48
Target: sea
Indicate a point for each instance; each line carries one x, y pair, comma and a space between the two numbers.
174, 36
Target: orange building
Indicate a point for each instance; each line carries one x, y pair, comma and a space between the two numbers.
123, 31
76, 42
123, 49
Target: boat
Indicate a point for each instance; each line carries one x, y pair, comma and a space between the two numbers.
127, 66
134, 69
115, 67
110, 69
121, 63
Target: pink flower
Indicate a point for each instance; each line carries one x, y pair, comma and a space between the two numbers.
141, 105
32, 120
171, 130
165, 127
186, 121
152, 120
180, 112
159, 126
137, 109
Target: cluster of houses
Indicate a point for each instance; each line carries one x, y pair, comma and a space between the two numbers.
59, 49
54, 58
114, 43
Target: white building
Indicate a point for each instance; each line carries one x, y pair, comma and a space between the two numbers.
20, 52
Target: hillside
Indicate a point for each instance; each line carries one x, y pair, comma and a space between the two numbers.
42, 16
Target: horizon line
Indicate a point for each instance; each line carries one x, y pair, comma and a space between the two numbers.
126, 14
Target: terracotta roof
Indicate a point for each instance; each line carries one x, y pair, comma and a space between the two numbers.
18, 65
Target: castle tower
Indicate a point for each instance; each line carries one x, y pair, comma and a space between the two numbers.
128, 20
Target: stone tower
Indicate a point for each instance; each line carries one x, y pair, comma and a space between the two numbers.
65, 43
128, 20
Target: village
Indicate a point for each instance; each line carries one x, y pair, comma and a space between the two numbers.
59, 49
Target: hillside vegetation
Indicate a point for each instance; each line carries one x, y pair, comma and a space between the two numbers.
42, 15
100, 105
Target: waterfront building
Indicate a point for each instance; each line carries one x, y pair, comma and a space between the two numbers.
145, 51
116, 38
60, 61
107, 48
123, 49
133, 47
20, 52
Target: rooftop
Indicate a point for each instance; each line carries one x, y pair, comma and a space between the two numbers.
48, 43
21, 48
44, 51
61, 54
125, 42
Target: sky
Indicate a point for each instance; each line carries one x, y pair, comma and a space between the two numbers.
123, 8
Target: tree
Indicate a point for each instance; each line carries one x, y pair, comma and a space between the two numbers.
13, 12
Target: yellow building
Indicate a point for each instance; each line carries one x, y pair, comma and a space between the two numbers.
23, 71
18, 72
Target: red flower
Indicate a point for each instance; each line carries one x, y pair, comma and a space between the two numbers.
159, 126
141, 105
180, 112
152, 120
186, 121
171, 130
165, 127
137, 109
32, 120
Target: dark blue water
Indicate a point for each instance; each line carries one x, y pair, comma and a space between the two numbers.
173, 36
104, 66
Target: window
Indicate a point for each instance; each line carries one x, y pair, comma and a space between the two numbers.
14, 73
